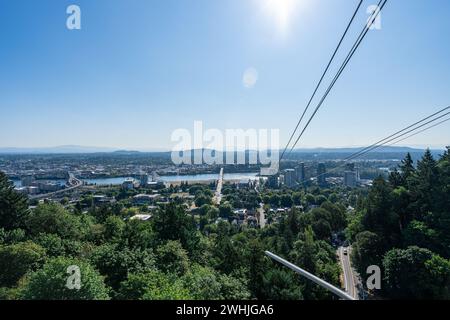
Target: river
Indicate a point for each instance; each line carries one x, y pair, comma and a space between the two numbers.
176, 179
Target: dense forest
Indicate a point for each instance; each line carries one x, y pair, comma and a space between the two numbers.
401, 225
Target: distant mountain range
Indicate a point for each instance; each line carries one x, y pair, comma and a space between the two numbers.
74, 149
55, 150
357, 149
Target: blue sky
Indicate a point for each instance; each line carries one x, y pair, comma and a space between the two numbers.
139, 69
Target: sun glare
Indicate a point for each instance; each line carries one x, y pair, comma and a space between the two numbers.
281, 11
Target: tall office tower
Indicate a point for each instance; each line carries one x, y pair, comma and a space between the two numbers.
300, 173
351, 176
143, 179
350, 167
321, 173
350, 179
289, 177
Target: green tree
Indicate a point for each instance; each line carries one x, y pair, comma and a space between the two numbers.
286, 201
317, 257
13, 205
401, 199
379, 216
203, 283
172, 258
424, 187
337, 217
304, 251
310, 199
152, 285
53, 244
395, 179
213, 213
55, 219
297, 198
416, 273
419, 234
173, 223
322, 229
274, 200
226, 257
17, 259
202, 199
320, 199
114, 228
115, 263
407, 170
13, 236
50, 282
233, 288
138, 235
280, 285
225, 210
257, 265
367, 250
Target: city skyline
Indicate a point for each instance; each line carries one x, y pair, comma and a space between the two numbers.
129, 83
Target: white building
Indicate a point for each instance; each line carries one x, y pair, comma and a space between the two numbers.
128, 184
141, 217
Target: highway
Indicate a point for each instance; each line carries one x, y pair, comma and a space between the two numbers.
350, 281
73, 183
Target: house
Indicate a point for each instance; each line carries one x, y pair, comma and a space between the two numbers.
141, 217
240, 214
102, 199
145, 199
156, 185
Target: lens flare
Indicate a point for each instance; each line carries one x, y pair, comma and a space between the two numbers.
281, 11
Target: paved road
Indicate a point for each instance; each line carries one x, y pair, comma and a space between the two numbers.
262, 221
350, 280
261, 217
218, 195
73, 183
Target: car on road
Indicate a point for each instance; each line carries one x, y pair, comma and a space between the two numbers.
345, 252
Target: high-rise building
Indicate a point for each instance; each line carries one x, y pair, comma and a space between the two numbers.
350, 179
128, 184
350, 167
143, 180
290, 177
321, 174
300, 173
351, 176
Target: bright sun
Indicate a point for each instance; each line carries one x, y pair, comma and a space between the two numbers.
281, 11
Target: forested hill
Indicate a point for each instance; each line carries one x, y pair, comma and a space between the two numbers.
403, 226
